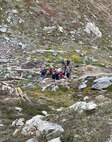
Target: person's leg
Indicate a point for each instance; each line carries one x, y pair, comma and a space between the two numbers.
68, 75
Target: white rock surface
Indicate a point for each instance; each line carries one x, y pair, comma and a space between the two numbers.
49, 29
18, 122
91, 28
18, 109
82, 86
60, 109
86, 98
55, 140
80, 106
54, 87
44, 112
3, 29
30, 140
14, 11
51, 130
60, 29
1, 125
102, 83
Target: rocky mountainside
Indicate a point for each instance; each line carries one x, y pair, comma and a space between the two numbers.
36, 33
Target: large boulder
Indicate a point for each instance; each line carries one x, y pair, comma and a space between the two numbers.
80, 106
36, 127
102, 83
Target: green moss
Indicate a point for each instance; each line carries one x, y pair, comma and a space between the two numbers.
98, 64
68, 136
32, 110
109, 89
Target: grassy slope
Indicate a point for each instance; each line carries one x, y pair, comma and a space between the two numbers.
71, 15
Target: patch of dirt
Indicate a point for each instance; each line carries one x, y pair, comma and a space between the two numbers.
89, 70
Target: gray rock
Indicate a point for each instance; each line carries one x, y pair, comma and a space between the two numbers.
3, 60
18, 109
54, 87
78, 51
60, 109
55, 140
92, 59
102, 83
31, 140
61, 30
18, 122
91, 28
31, 85
1, 125
86, 98
3, 29
80, 106
7, 90
51, 130
45, 113
14, 11
82, 86
49, 29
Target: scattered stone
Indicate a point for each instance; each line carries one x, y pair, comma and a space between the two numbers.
46, 83
9, 19
80, 106
84, 82
82, 86
102, 83
91, 27
7, 38
54, 87
86, 98
78, 51
1, 125
31, 85
3, 29
3, 60
16, 131
7, 90
45, 113
18, 109
60, 109
92, 59
22, 45
30, 140
18, 122
95, 47
49, 29
81, 43
60, 29
55, 140
101, 98
14, 11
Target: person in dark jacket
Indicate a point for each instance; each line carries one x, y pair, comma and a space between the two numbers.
68, 62
43, 73
53, 75
57, 75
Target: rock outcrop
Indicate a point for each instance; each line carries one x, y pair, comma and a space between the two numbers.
102, 83
36, 127
83, 106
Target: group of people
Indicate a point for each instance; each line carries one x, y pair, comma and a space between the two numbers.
57, 72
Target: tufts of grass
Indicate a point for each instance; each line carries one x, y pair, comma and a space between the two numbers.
109, 89
32, 110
